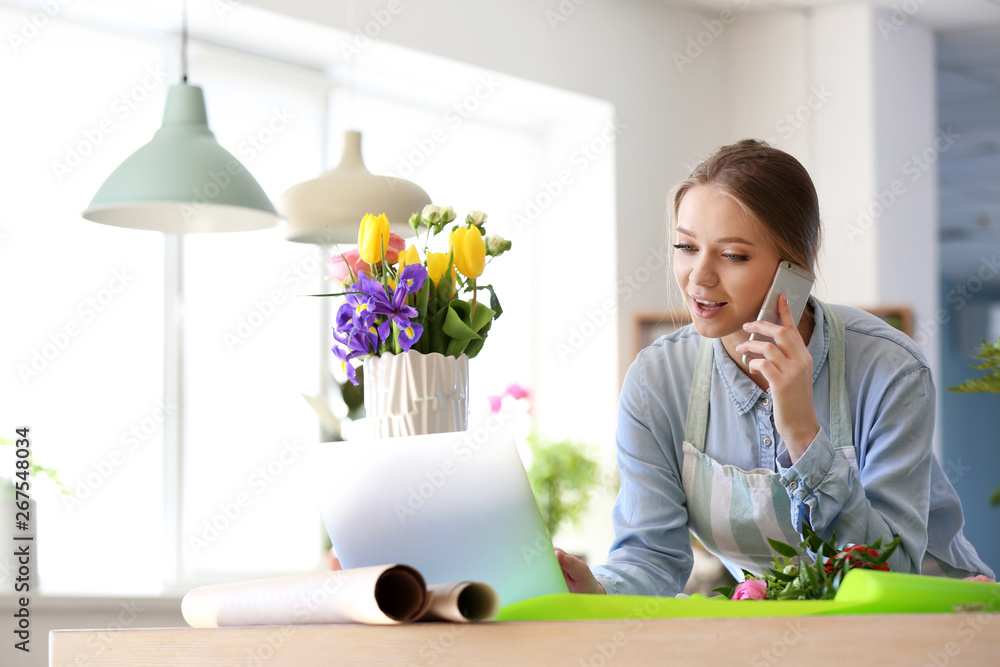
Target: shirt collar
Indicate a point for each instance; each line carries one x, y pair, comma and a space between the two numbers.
742, 390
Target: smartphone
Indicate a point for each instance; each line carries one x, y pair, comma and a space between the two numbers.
790, 279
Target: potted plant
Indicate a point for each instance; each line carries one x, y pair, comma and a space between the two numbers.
989, 383
414, 319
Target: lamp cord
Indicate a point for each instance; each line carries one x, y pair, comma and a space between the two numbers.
184, 41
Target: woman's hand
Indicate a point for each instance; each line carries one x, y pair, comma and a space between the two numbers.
788, 367
578, 576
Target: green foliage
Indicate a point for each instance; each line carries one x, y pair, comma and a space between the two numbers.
989, 383
36, 469
562, 476
815, 569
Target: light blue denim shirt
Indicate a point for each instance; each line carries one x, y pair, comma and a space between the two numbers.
891, 489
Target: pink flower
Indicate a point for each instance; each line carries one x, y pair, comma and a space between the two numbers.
517, 392
751, 589
979, 577
347, 266
496, 402
396, 246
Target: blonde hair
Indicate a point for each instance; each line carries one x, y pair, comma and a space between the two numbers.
772, 187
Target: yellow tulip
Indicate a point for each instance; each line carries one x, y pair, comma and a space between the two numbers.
373, 238
437, 264
408, 257
470, 251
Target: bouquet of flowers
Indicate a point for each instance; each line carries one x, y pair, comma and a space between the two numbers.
795, 577
399, 301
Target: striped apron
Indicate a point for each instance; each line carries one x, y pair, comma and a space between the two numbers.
732, 511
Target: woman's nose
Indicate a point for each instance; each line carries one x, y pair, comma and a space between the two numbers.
704, 274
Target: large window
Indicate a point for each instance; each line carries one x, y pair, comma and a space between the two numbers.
86, 335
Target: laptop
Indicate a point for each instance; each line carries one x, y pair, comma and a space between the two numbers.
455, 506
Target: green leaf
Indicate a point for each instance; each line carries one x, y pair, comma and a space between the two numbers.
494, 302
456, 327
995, 497
456, 347
446, 286
725, 590
475, 346
422, 296
481, 316
888, 550
437, 339
990, 383
782, 548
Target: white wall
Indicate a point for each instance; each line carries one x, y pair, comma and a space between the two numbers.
854, 103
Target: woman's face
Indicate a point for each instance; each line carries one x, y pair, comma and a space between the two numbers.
722, 264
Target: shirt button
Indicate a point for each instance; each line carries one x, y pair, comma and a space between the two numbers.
765, 401
793, 486
767, 441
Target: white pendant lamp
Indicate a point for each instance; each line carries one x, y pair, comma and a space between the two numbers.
329, 208
183, 181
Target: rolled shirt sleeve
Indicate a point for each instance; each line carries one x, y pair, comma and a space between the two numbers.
889, 493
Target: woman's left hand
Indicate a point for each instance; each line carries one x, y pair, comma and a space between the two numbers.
788, 368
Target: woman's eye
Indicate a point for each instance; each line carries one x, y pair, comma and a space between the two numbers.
736, 258
683, 247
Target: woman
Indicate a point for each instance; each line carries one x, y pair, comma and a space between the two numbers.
832, 425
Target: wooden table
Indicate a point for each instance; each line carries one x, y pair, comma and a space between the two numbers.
912, 639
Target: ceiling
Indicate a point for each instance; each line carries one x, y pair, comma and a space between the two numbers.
968, 88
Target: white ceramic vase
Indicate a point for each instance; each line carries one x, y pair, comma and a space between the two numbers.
415, 394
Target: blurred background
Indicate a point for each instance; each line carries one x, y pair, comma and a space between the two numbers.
566, 121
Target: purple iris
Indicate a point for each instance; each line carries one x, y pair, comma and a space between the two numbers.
353, 344
398, 312
355, 325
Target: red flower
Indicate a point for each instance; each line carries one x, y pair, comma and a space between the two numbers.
851, 561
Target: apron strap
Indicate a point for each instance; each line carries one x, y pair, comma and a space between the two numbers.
841, 434
701, 387
841, 431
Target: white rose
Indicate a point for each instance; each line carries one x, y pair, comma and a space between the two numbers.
476, 218
431, 213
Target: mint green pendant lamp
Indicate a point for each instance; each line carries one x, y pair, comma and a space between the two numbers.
183, 181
